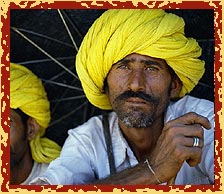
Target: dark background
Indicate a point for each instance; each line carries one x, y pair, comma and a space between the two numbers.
45, 28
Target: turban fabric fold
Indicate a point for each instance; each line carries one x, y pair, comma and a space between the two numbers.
28, 94
151, 32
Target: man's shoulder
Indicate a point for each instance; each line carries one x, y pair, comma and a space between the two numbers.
190, 104
37, 170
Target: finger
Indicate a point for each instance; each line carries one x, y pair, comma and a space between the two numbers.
194, 118
190, 141
191, 130
173, 129
192, 155
195, 157
190, 119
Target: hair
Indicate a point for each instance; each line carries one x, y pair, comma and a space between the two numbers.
24, 117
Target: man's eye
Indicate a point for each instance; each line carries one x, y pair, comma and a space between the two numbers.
122, 66
151, 68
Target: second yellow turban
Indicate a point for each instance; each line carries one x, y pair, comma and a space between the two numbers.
28, 94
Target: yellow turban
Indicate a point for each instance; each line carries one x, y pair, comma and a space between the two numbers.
151, 32
28, 94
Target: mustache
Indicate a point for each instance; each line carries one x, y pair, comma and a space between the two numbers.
139, 94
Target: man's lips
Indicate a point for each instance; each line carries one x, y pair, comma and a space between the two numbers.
135, 100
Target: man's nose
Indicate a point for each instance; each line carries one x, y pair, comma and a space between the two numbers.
136, 81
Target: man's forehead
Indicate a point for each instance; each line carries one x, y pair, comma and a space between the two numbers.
143, 59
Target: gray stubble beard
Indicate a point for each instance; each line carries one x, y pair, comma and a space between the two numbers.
135, 118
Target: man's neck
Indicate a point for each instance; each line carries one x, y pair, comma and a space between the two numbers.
21, 171
142, 140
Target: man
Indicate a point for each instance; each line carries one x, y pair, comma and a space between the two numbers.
30, 151
139, 64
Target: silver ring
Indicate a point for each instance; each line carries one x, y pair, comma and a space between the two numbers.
196, 141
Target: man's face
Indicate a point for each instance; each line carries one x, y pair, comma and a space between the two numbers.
139, 89
18, 139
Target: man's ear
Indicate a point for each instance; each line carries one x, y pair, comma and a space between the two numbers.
176, 87
32, 128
